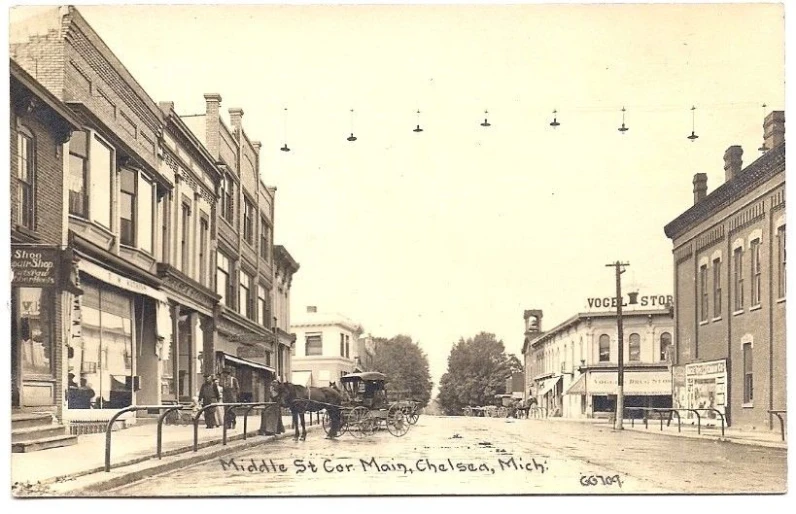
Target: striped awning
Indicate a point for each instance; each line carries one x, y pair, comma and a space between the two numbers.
548, 385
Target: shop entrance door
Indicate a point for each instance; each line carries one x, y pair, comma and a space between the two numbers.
32, 363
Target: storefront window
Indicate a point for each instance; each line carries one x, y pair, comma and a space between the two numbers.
102, 364
34, 338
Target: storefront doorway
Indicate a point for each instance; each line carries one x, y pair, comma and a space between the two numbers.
33, 381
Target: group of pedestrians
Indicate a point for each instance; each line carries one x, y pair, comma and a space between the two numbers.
223, 390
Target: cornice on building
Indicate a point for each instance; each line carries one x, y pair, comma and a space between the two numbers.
762, 169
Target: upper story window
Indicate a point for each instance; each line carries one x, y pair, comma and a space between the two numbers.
91, 166
223, 284
262, 306
703, 293
666, 344
136, 206
717, 288
248, 221
78, 174
313, 344
754, 249
101, 167
163, 210
265, 238
781, 254
634, 348
204, 231
605, 348
342, 344
737, 258
347, 347
26, 172
185, 239
228, 199
245, 295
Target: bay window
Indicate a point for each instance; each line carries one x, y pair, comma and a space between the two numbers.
101, 167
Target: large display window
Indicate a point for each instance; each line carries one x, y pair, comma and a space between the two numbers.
101, 366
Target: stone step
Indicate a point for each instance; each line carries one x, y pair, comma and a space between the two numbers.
43, 443
30, 419
32, 433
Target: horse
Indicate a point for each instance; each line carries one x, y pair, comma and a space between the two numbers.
524, 408
300, 399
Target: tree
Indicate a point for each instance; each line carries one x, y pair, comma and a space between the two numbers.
477, 370
406, 367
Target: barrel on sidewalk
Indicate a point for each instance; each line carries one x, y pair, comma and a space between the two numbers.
271, 422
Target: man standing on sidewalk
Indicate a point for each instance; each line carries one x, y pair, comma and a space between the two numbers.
208, 394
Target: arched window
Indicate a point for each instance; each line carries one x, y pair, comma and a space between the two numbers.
634, 347
666, 343
605, 348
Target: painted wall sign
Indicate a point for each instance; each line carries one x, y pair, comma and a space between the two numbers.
631, 300
34, 266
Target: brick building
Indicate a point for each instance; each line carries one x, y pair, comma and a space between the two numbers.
40, 128
729, 287
112, 183
169, 223
241, 253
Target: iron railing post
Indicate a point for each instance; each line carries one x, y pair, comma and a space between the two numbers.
108, 435
161, 418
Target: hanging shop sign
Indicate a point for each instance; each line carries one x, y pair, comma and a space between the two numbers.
34, 266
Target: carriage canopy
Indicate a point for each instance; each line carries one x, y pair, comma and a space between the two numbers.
366, 376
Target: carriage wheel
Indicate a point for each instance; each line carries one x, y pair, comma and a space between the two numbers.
396, 421
356, 422
413, 416
326, 422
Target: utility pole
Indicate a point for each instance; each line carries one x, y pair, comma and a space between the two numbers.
620, 381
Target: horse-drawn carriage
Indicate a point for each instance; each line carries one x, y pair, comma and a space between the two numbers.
366, 407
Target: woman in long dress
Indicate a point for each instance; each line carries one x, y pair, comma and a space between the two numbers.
219, 410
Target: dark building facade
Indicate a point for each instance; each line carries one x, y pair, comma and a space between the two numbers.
730, 288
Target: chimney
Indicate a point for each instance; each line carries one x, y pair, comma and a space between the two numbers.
774, 129
700, 187
312, 309
212, 123
733, 162
235, 117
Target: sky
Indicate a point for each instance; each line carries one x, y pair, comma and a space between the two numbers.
457, 229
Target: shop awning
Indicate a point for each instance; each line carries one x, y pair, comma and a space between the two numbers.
548, 385
579, 387
245, 362
303, 378
119, 281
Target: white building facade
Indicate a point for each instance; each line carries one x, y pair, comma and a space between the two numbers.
326, 348
572, 370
